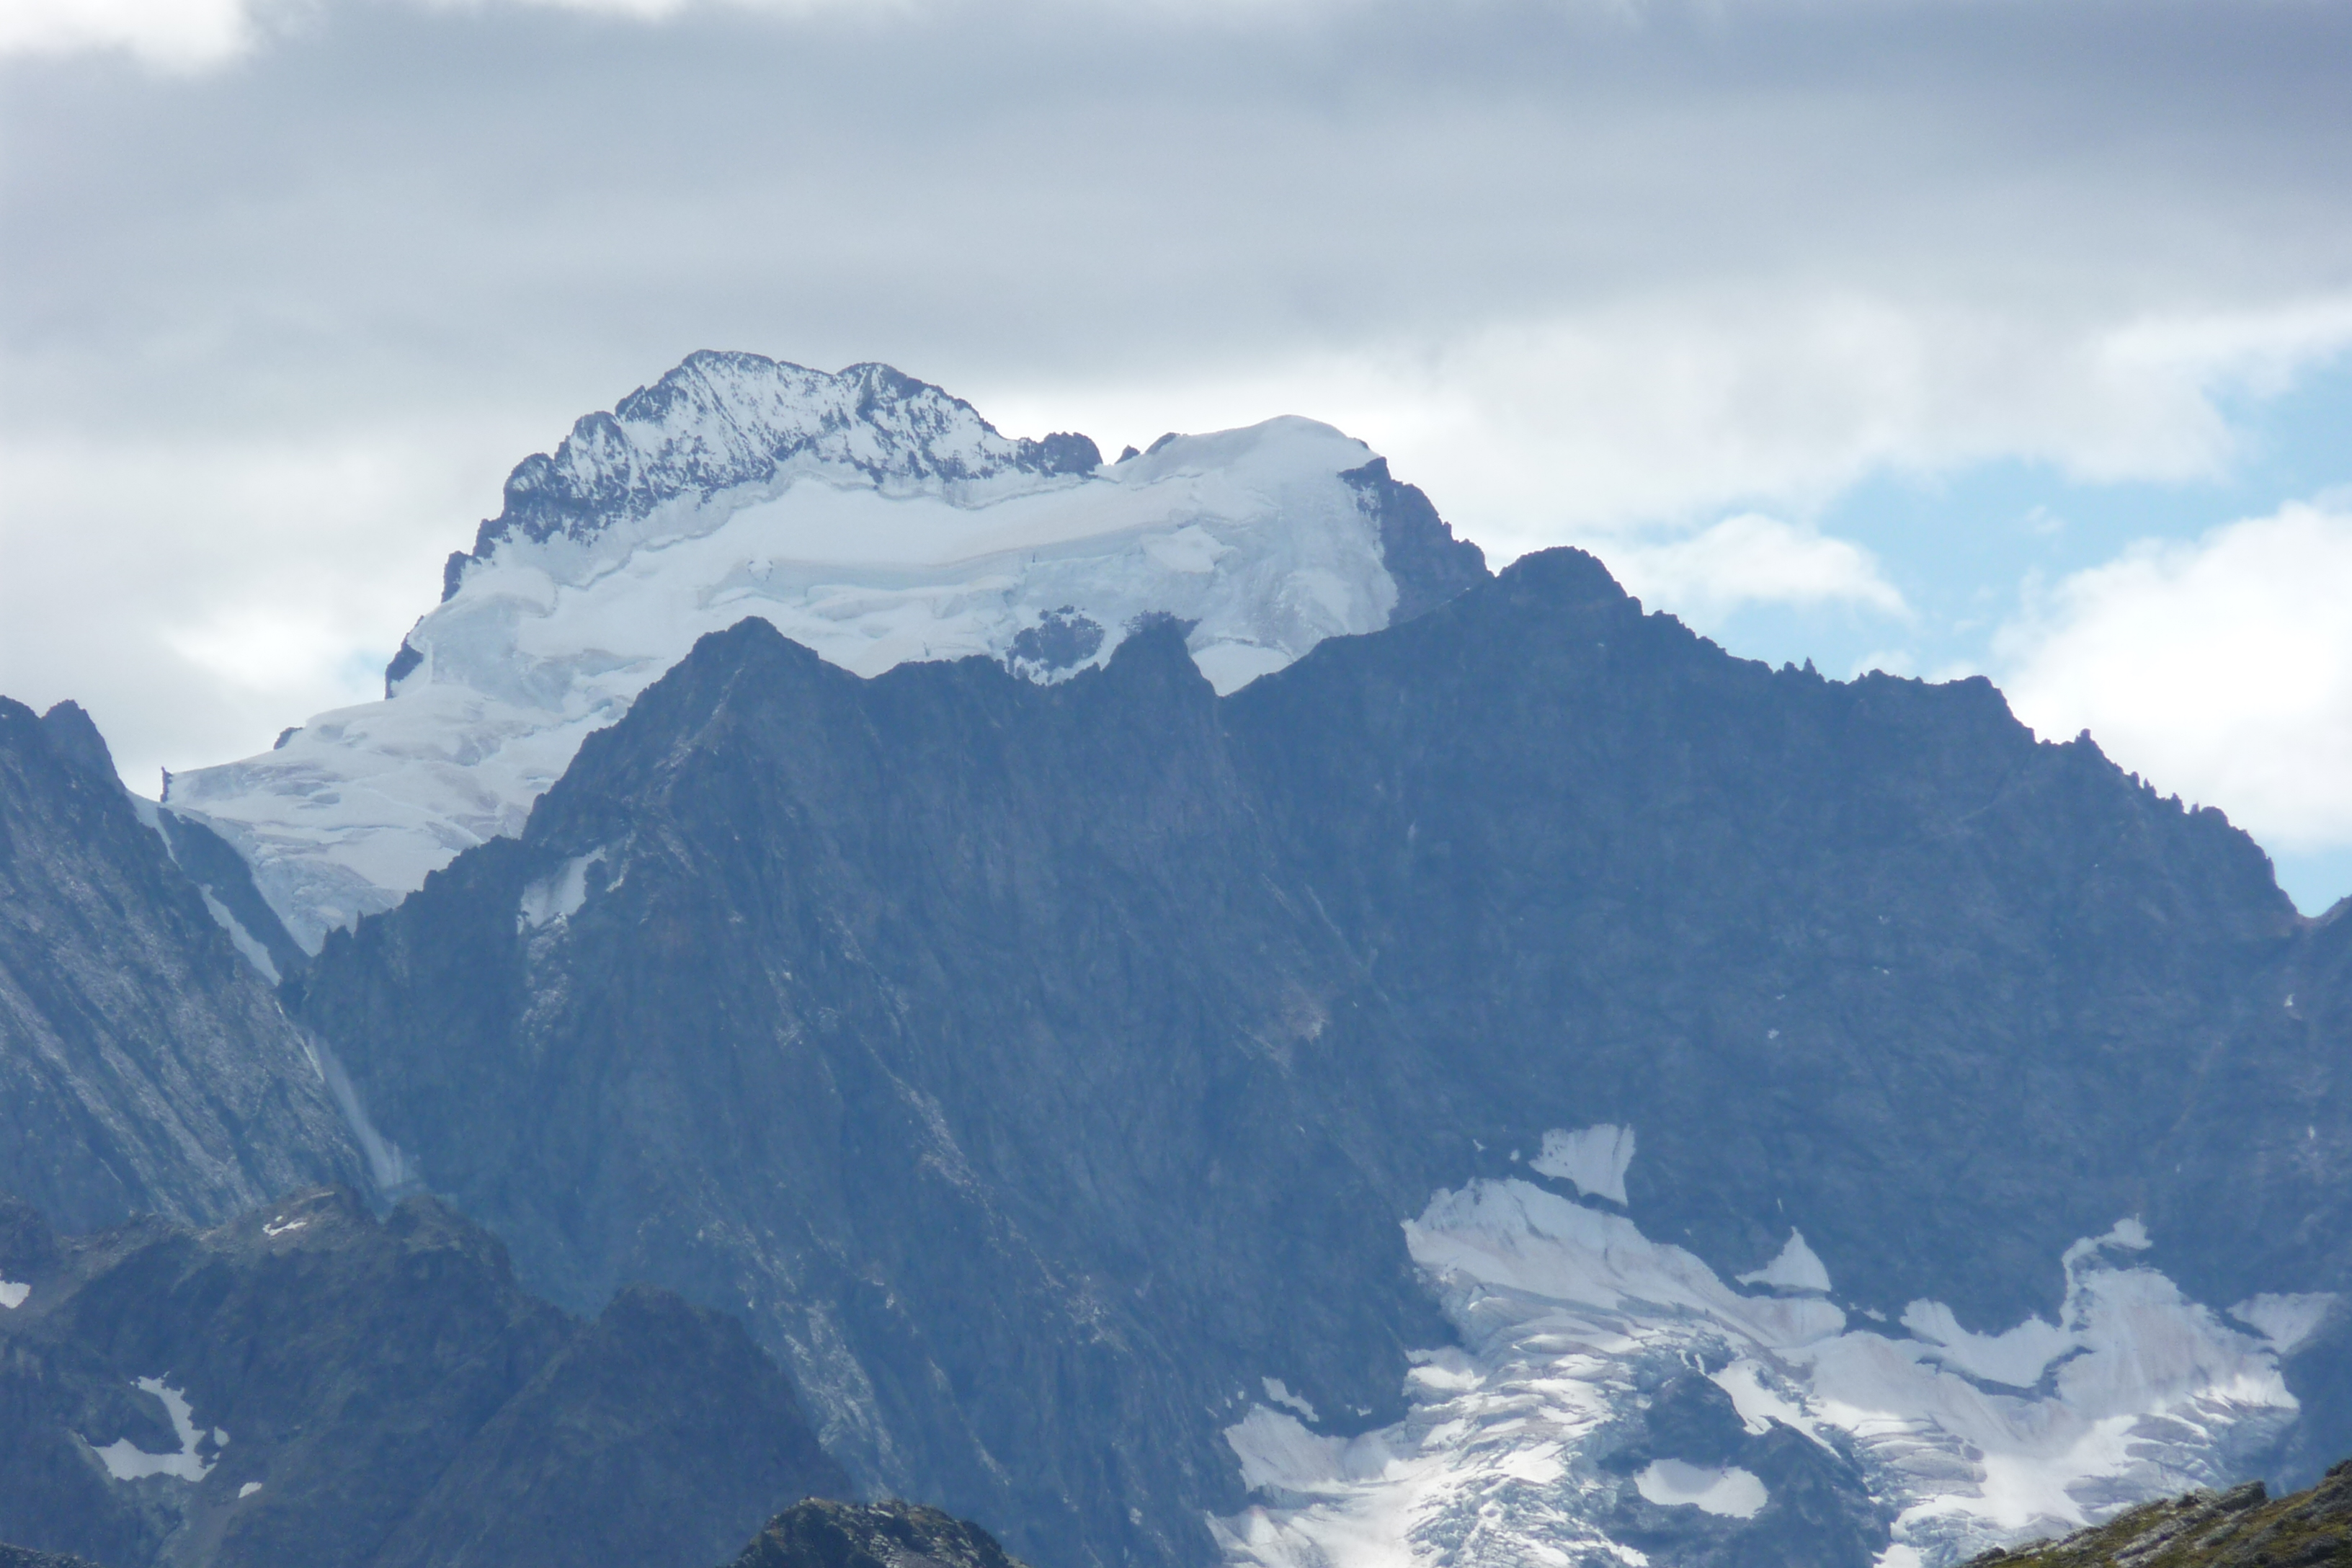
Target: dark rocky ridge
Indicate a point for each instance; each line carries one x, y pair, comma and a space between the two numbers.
1417, 546
1037, 1068
144, 1064
2241, 1528
24, 1557
819, 1534
390, 1398
777, 1066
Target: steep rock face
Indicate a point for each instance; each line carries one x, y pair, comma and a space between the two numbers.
1866, 950
869, 516
1073, 1084
144, 1064
876, 1535
307, 1386
988, 1111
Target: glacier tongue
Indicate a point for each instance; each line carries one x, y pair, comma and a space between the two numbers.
1536, 1441
868, 516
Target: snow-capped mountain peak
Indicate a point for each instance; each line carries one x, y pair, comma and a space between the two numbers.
871, 516
720, 421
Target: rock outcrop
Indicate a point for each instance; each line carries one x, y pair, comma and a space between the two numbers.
819, 1534
2241, 1528
145, 1063
309, 1387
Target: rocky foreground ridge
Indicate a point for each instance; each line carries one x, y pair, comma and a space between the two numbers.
2241, 1528
822, 1534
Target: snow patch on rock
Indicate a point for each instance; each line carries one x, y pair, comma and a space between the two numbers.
1279, 1393
13, 1295
1594, 1160
1796, 1269
1731, 1492
126, 1461
559, 895
2286, 1320
1567, 1313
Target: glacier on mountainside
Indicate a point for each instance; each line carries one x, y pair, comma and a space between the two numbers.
869, 516
1515, 1448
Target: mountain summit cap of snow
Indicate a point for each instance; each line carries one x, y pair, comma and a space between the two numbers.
873, 516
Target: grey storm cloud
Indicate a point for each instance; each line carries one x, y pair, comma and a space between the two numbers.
378, 198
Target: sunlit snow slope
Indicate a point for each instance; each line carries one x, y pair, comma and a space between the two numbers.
1534, 1442
869, 516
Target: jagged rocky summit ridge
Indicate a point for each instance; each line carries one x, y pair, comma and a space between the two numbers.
825, 1535
306, 1386
721, 421
1521, 1080
871, 516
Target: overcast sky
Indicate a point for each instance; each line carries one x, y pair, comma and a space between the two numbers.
1939, 337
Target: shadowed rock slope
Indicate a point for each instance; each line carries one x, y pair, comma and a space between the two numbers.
820, 1535
2241, 1528
145, 1065
1039, 1071
21, 1557
307, 1388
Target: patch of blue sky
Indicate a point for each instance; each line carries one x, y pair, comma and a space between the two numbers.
1967, 550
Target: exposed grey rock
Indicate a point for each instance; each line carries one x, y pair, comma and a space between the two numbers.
378, 1394
144, 1064
1039, 1069
23, 1557
2241, 1528
819, 1534
1417, 546
720, 420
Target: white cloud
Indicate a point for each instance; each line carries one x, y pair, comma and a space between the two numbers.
1752, 559
2221, 670
1536, 431
198, 598
175, 35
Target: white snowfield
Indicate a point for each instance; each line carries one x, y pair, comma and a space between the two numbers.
875, 526
126, 1461
1978, 1440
